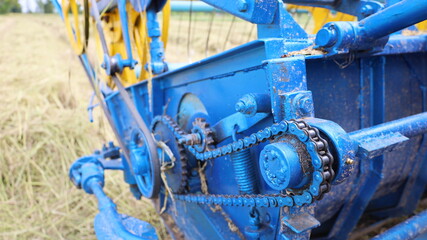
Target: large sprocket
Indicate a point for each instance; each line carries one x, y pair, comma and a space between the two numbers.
176, 176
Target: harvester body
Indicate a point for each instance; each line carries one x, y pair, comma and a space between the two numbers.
289, 136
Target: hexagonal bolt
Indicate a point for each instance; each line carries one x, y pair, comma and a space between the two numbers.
252, 103
367, 10
242, 5
303, 104
306, 105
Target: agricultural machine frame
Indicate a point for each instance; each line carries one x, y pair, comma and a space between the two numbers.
290, 136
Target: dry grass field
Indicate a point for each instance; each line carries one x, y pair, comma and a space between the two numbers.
43, 128
44, 125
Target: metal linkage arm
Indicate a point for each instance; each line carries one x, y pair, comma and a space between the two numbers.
377, 140
369, 142
373, 30
88, 173
409, 229
410, 126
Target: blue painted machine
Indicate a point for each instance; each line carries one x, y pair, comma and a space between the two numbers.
291, 136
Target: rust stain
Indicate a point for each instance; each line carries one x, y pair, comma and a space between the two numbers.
408, 32
306, 51
285, 76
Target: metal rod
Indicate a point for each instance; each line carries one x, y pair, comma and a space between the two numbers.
345, 36
308, 2
107, 210
394, 18
92, 79
409, 229
125, 29
58, 8
195, 6
95, 13
409, 126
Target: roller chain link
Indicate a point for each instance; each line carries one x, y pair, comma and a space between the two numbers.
317, 147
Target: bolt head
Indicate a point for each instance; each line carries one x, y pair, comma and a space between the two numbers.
367, 10
269, 156
242, 5
306, 105
240, 107
349, 161
281, 175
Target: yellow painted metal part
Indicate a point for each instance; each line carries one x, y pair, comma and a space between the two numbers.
165, 22
113, 35
139, 40
321, 16
73, 33
422, 26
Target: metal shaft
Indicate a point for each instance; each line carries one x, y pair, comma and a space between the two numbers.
409, 126
344, 36
409, 229
107, 210
394, 18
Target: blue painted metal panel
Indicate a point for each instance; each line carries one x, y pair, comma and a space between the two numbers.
368, 106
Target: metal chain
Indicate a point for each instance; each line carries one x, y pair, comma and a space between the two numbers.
317, 147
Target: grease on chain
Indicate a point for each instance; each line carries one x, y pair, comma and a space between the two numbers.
321, 160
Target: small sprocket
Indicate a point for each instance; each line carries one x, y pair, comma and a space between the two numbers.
201, 127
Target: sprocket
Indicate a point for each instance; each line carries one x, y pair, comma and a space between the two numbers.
176, 176
201, 127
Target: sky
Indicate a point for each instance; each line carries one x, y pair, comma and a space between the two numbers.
28, 5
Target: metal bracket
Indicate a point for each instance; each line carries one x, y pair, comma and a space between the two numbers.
379, 145
225, 128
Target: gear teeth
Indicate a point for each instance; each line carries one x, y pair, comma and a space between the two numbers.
298, 128
184, 171
202, 127
177, 132
209, 134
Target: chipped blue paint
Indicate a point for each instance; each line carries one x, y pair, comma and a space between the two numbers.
366, 94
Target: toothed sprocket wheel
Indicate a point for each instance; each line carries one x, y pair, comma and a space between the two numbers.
176, 177
201, 127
